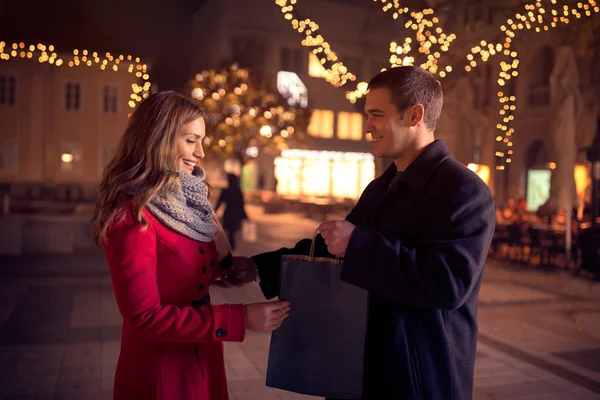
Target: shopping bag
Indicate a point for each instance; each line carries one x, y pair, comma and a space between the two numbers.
319, 348
249, 231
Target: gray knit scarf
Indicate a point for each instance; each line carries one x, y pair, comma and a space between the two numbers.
187, 210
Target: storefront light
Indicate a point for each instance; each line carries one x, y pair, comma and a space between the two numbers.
323, 173
483, 171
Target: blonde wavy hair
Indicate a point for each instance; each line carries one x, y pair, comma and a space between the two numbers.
146, 161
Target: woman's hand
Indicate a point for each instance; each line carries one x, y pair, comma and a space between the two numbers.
220, 238
267, 316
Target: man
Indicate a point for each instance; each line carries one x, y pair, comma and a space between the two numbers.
417, 241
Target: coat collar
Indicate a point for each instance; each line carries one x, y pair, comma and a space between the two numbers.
419, 171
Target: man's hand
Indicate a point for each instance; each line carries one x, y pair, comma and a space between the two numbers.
337, 235
242, 272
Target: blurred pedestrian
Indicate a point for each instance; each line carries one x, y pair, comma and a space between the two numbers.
235, 211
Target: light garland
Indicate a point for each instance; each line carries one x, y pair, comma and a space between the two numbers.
431, 44
421, 22
46, 54
336, 72
544, 19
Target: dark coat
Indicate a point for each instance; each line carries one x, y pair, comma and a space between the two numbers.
233, 198
419, 249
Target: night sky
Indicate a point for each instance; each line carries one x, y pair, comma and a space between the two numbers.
144, 28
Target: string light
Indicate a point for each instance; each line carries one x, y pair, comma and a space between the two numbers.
336, 72
46, 54
433, 42
537, 18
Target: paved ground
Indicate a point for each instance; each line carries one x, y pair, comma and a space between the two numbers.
60, 328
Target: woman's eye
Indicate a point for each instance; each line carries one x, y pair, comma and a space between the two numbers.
191, 141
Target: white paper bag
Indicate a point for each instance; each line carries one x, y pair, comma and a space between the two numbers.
249, 231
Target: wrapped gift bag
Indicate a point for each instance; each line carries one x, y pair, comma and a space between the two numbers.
319, 348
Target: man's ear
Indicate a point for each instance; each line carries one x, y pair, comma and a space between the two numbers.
417, 114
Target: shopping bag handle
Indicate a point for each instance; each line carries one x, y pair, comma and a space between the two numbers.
311, 256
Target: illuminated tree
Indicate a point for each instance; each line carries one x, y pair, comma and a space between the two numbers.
247, 116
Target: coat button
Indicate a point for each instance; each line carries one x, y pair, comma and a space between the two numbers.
201, 287
212, 262
204, 269
221, 332
202, 250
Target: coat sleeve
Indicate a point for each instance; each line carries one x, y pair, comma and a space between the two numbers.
268, 264
131, 255
442, 270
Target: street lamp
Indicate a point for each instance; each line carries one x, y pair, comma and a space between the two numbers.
593, 155
590, 249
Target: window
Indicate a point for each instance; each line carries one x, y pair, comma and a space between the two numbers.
540, 72
321, 124
478, 12
109, 99
595, 64
107, 153
71, 158
249, 53
323, 173
315, 68
315, 177
354, 65
482, 79
376, 67
72, 96
8, 155
350, 126
8, 90
291, 87
291, 59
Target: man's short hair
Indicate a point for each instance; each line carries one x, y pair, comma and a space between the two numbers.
411, 85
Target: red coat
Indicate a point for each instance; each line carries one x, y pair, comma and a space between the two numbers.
171, 341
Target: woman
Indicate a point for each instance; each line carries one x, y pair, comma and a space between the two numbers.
164, 248
234, 212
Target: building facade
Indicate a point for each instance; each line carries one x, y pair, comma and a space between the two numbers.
60, 125
256, 35
547, 153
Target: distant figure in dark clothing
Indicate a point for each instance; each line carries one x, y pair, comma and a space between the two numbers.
234, 212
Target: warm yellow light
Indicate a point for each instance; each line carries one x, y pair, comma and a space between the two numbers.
266, 130
66, 157
483, 171
552, 165
197, 93
582, 179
